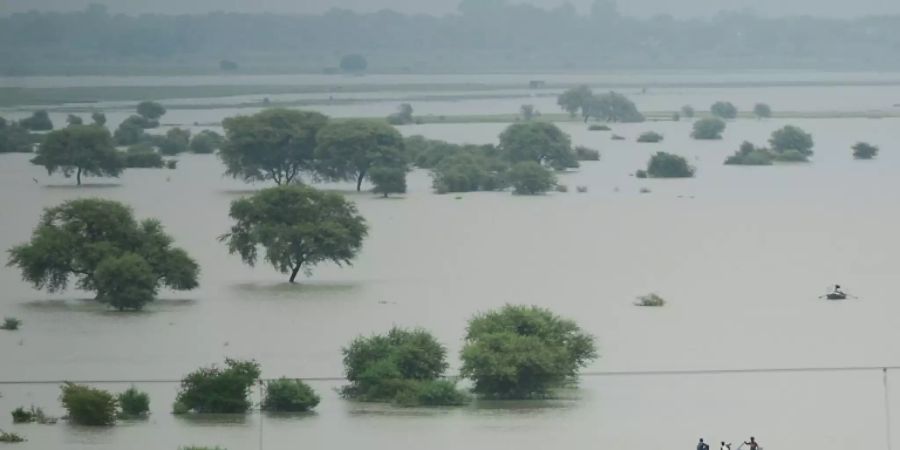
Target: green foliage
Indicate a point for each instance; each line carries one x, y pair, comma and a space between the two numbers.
791, 156
688, 111
724, 110
599, 127
791, 138
134, 404
150, 110
140, 156
650, 300
82, 150
10, 324
131, 130
708, 129
531, 178
762, 110
403, 116
583, 153
88, 239
287, 395
354, 63
99, 118
388, 180
469, 171
613, 107
667, 165
88, 406
299, 227
523, 352
402, 366
651, 137
206, 141
749, 155
864, 150
39, 121
215, 390
22, 415
177, 141
576, 99
125, 282
14, 138
10, 438
275, 144
74, 120
348, 150
540, 142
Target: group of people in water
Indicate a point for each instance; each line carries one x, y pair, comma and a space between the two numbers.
751, 445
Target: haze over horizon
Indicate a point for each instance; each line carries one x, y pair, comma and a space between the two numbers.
642, 8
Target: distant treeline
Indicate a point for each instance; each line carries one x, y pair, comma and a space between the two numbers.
483, 36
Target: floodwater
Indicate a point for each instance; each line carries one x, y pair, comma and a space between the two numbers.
740, 253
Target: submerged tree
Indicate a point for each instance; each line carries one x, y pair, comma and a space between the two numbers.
708, 129
531, 178
523, 352
298, 227
613, 107
151, 111
348, 150
863, 150
82, 150
540, 142
576, 99
792, 138
215, 390
762, 110
39, 121
101, 245
667, 165
14, 138
275, 144
388, 180
724, 110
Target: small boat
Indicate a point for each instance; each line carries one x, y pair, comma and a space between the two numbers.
836, 296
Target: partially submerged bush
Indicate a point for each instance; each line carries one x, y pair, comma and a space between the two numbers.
599, 127
10, 438
650, 137
388, 180
88, 406
218, 390
143, 157
531, 178
134, 404
724, 110
616, 137
708, 129
22, 415
792, 138
287, 395
561, 188
863, 150
750, 155
791, 156
10, 324
650, 300
762, 111
667, 165
206, 141
583, 153
469, 171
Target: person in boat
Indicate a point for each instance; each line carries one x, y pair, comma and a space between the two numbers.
702, 445
837, 292
753, 445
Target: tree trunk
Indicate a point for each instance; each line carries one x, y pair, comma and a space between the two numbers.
294, 273
78, 176
359, 180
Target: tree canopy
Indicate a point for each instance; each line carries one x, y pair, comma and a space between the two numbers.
150, 110
576, 99
206, 141
218, 390
667, 165
523, 352
275, 144
348, 149
39, 121
864, 150
762, 110
792, 138
82, 150
708, 129
14, 138
613, 107
724, 110
298, 227
531, 178
540, 142
101, 245
388, 180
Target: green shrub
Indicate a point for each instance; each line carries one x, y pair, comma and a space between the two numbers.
863, 150
286, 395
708, 129
177, 140
791, 138
10, 438
724, 110
650, 300
468, 172
791, 156
206, 141
388, 180
431, 393
599, 128
531, 178
523, 352
561, 188
74, 120
134, 404
749, 155
22, 415
142, 159
650, 137
583, 153
39, 121
217, 390
88, 406
641, 174
667, 165
10, 324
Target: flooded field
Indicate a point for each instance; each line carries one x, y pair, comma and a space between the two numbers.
740, 253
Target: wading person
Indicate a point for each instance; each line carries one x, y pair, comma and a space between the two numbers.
752, 444
702, 445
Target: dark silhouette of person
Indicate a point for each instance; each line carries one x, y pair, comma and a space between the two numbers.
753, 445
702, 445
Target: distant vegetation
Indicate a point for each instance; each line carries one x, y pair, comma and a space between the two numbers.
750, 155
651, 137
218, 390
80, 150
762, 111
206, 141
388, 180
708, 129
403, 116
39, 121
347, 150
688, 111
667, 165
402, 366
599, 127
101, 245
523, 352
863, 150
791, 144
611, 107
298, 227
74, 120
14, 138
650, 300
724, 110
539, 142
10, 324
354, 63
583, 153
10, 438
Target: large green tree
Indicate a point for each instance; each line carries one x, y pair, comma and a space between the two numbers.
101, 245
576, 99
348, 150
523, 352
82, 150
297, 226
275, 144
612, 107
541, 142
792, 138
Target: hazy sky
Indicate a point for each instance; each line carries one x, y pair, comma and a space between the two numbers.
679, 8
